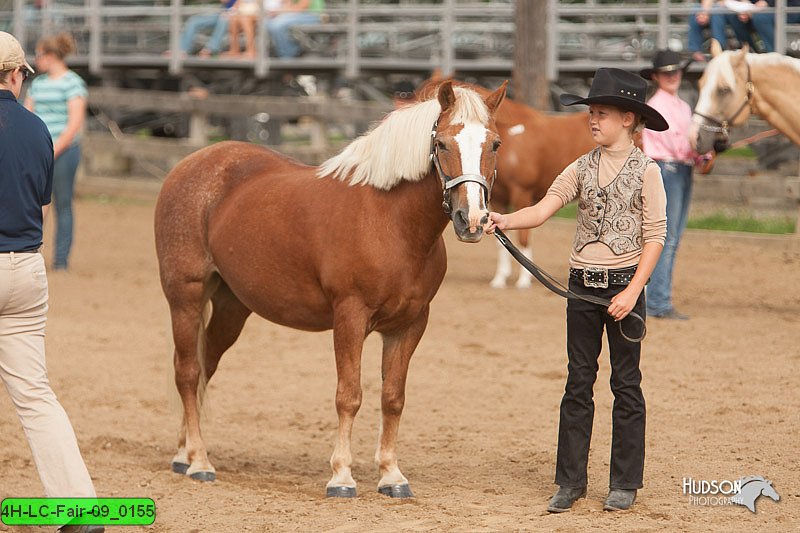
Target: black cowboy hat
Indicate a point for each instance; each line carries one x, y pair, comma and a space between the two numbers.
666, 61
613, 86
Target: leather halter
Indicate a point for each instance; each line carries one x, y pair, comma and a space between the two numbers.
448, 182
723, 126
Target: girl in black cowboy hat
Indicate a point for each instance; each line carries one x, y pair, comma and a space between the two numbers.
621, 229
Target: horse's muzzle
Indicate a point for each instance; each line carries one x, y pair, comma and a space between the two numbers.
463, 228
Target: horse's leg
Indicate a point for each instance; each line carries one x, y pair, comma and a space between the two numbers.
521, 198
228, 317
525, 277
397, 351
503, 268
349, 332
188, 334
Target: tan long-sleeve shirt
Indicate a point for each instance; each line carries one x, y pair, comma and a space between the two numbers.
654, 208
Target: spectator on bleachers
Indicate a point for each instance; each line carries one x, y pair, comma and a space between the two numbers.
243, 20
203, 21
764, 23
292, 13
716, 22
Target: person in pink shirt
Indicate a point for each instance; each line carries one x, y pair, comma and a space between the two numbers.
674, 155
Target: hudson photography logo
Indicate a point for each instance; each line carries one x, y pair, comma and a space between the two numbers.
744, 491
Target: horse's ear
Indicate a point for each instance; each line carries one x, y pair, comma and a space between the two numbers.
436, 75
740, 56
446, 96
494, 100
716, 48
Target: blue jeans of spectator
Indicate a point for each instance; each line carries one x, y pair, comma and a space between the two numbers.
764, 24
678, 186
197, 23
63, 188
279, 28
717, 24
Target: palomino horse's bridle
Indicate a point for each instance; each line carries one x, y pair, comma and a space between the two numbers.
448, 182
723, 126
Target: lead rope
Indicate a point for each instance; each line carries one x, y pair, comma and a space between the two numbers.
555, 286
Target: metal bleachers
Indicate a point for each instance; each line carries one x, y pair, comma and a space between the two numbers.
361, 37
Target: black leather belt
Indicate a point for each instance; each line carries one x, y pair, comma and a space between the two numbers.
36, 251
600, 277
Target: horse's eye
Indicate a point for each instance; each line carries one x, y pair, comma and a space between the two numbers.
440, 145
724, 90
496, 146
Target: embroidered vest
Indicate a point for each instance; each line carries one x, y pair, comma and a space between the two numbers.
611, 214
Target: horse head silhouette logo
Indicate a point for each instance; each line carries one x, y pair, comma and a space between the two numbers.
752, 488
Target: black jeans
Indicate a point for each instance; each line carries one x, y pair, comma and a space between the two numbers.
585, 323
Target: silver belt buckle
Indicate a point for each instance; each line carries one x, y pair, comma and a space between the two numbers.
595, 272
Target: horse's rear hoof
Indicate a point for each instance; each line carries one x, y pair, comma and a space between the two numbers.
179, 468
340, 492
203, 476
396, 491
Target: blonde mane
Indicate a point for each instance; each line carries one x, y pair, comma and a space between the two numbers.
398, 147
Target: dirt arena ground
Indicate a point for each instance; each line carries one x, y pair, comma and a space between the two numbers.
478, 436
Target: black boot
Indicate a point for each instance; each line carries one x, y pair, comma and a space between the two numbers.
564, 498
619, 499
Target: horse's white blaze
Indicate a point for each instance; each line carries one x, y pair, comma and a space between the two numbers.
470, 143
476, 208
715, 71
516, 130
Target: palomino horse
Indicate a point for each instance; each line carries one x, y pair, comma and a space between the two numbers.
736, 84
354, 245
536, 149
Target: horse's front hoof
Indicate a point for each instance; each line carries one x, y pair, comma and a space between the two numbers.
179, 468
203, 476
396, 491
340, 492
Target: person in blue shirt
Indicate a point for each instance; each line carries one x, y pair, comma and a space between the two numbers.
26, 160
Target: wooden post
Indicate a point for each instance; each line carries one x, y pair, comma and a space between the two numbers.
530, 76
319, 131
198, 118
175, 25
352, 67
95, 37
19, 24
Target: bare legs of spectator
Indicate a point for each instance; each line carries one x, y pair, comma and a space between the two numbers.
247, 25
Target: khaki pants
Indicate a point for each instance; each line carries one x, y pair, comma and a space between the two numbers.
23, 314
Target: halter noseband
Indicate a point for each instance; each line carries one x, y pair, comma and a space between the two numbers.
722, 126
448, 182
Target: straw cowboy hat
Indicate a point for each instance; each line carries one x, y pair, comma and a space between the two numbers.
666, 61
613, 86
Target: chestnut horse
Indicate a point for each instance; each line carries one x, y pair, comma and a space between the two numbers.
536, 149
736, 84
354, 245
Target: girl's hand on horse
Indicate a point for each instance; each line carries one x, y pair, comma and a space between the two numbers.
623, 303
496, 220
